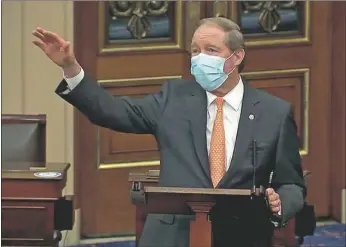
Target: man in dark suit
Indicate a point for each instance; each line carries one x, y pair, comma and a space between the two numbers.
204, 129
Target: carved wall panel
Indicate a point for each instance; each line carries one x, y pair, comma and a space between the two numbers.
194, 11
256, 18
119, 150
272, 63
140, 25
268, 22
291, 85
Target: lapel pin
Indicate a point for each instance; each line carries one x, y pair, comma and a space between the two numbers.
251, 117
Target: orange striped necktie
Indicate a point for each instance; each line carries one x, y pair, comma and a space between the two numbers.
217, 152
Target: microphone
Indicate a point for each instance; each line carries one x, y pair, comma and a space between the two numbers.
271, 178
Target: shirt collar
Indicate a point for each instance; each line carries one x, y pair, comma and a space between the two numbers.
234, 98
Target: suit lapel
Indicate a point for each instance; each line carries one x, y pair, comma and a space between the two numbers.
249, 116
196, 103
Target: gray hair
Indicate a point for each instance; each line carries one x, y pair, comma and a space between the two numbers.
234, 38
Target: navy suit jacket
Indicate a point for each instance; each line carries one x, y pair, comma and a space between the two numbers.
177, 117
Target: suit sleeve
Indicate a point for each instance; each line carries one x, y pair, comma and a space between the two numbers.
119, 113
288, 178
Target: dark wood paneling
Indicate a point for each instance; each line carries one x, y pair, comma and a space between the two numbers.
29, 205
318, 59
102, 193
159, 65
118, 198
118, 147
259, 58
86, 50
290, 86
338, 108
37, 215
318, 160
34, 189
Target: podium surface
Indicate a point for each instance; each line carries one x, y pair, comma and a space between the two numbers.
33, 203
148, 198
212, 210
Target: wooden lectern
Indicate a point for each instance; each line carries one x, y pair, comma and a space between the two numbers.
145, 197
188, 201
34, 210
33, 207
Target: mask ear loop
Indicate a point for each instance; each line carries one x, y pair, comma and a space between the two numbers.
234, 65
231, 71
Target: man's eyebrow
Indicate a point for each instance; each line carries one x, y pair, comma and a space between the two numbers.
213, 46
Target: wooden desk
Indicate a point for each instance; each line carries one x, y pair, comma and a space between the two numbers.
33, 208
284, 237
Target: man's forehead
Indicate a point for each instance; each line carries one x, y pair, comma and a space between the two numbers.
210, 32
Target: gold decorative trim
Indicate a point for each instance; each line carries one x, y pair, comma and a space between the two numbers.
135, 163
22, 207
107, 240
280, 40
173, 45
28, 199
22, 239
306, 101
127, 80
129, 164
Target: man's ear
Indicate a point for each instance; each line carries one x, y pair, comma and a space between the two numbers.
239, 54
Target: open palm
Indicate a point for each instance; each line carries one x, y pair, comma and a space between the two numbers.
55, 47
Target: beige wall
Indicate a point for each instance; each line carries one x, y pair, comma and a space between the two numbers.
29, 78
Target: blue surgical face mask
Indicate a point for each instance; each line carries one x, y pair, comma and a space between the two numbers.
208, 70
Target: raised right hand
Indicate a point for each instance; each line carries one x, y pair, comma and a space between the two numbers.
57, 49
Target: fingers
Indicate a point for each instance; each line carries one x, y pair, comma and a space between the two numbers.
270, 191
54, 38
66, 47
47, 36
40, 29
41, 32
275, 209
274, 200
273, 197
275, 203
38, 35
40, 44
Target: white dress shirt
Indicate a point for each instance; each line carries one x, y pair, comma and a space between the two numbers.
73, 81
231, 115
